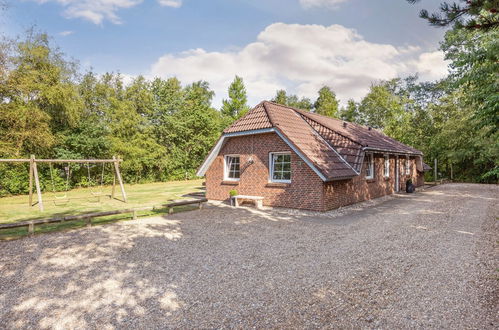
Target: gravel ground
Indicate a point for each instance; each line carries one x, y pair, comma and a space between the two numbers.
427, 260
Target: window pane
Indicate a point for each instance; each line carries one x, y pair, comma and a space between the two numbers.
233, 167
281, 169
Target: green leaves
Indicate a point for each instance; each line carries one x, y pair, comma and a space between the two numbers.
292, 100
236, 106
327, 104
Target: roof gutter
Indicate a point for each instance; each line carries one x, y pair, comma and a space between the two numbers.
214, 152
392, 151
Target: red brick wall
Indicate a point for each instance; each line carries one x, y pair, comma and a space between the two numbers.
304, 191
345, 192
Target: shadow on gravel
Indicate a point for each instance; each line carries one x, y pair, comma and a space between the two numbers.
85, 278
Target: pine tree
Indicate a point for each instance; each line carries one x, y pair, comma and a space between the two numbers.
236, 106
476, 14
326, 103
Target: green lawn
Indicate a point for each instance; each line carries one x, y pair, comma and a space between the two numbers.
13, 209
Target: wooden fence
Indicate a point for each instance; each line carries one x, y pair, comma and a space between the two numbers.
89, 216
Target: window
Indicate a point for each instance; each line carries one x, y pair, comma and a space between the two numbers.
387, 166
280, 167
369, 166
407, 166
232, 167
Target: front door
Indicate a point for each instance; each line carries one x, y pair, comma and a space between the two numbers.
397, 179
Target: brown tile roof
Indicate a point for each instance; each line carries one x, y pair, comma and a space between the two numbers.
256, 118
309, 142
333, 146
360, 134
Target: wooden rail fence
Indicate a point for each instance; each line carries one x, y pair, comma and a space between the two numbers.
89, 216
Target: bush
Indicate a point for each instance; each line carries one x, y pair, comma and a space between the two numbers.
233, 193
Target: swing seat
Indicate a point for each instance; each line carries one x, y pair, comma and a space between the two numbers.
65, 196
58, 202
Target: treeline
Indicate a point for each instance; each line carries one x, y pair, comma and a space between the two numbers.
163, 129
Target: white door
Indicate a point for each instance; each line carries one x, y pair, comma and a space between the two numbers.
397, 179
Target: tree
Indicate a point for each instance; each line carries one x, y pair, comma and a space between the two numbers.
292, 100
38, 96
351, 112
236, 106
326, 103
470, 14
280, 97
475, 59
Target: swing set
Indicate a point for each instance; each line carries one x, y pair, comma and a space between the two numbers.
63, 197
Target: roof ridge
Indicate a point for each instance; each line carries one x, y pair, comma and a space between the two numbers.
346, 137
298, 113
245, 115
271, 120
304, 113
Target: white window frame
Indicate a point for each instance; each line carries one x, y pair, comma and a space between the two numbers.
226, 168
407, 166
271, 166
370, 164
386, 171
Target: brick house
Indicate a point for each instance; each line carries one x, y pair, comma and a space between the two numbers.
303, 160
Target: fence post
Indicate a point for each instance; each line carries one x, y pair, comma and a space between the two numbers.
31, 228
31, 180
37, 185
435, 171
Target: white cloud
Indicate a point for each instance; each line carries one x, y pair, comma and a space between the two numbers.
333, 4
170, 3
95, 11
66, 33
301, 59
429, 65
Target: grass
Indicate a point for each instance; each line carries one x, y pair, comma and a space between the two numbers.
14, 209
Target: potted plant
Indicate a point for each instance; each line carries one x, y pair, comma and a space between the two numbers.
232, 193
409, 187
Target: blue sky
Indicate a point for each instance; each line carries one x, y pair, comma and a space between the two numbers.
299, 45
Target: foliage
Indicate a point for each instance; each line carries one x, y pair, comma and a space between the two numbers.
292, 100
236, 106
162, 130
233, 193
350, 113
475, 60
470, 14
327, 104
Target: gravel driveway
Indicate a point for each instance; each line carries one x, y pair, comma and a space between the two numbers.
427, 260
